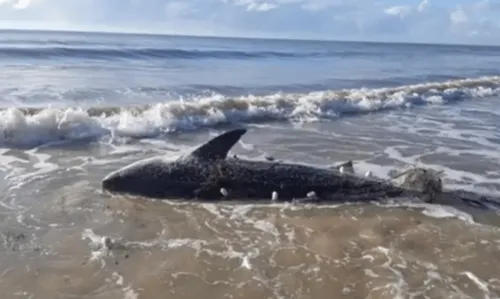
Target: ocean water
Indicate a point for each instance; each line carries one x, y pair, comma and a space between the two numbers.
75, 106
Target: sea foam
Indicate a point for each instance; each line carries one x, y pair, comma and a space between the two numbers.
35, 126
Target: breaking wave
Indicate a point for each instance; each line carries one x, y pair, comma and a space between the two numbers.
36, 126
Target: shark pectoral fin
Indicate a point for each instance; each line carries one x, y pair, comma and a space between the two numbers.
205, 192
218, 147
213, 188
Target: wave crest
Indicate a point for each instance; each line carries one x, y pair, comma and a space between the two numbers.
35, 126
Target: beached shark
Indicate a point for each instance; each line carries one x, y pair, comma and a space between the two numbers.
207, 173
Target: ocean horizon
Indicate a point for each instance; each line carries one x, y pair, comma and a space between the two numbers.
243, 37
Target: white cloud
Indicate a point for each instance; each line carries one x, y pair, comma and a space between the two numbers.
22, 4
423, 5
255, 5
400, 10
319, 5
261, 6
458, 17
477, 20
16, 4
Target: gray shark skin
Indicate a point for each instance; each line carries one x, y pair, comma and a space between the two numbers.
201, 174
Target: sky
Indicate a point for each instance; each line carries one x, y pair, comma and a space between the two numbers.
443, 21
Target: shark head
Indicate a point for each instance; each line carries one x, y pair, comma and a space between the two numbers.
157, 177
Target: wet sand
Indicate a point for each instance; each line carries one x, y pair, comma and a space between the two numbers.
241, 251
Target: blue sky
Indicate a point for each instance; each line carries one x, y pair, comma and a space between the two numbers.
459, 21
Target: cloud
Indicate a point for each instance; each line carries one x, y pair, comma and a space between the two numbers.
265, 6
421, 7
400, 10
16, 4
418, 21
458, 17
477, 20
255, 5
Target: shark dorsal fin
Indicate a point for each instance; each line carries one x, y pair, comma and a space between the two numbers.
218, 147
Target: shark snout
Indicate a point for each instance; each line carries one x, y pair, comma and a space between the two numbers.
112, 182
